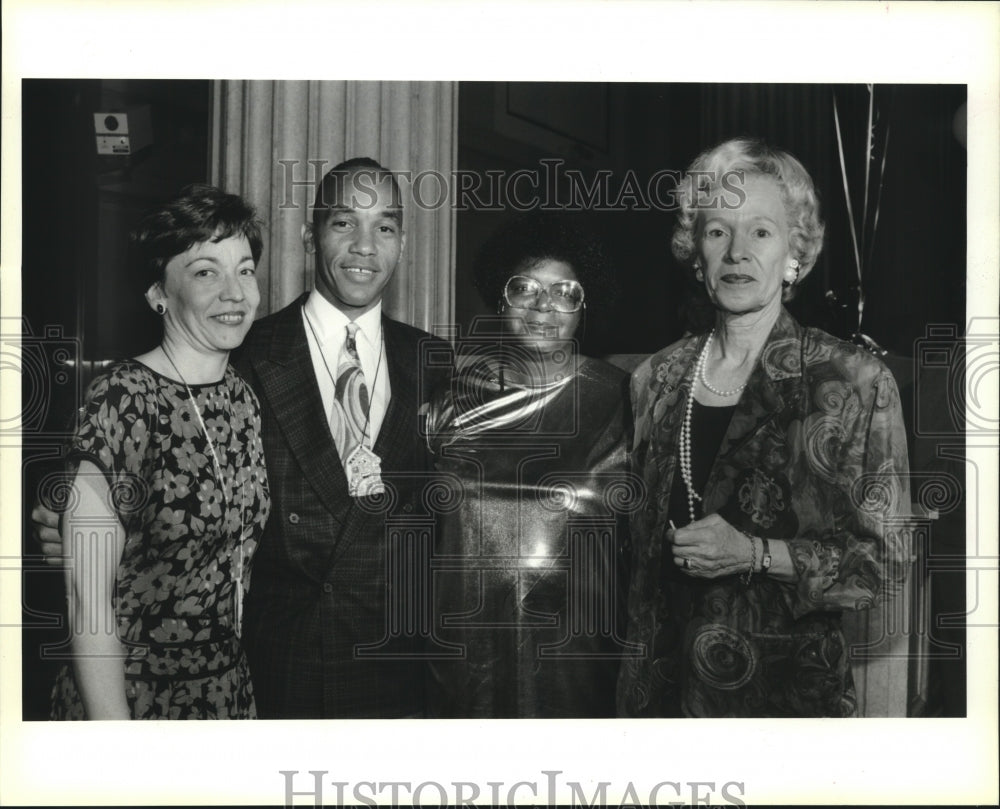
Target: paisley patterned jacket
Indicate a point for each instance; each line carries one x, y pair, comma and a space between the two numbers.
815, 455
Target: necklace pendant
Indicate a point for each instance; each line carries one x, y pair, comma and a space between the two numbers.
364, 473
239, 607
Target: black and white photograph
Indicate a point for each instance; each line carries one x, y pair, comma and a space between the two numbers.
510, 384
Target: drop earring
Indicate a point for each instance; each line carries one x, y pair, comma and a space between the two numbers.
791, 273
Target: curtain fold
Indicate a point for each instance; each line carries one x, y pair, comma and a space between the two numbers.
273, 140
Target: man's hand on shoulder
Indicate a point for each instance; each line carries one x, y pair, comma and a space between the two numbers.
45, 529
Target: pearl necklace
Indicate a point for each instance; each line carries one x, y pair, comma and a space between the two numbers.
237, 563
704, 378
684, 450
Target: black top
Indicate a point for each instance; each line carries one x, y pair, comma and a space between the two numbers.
708, 428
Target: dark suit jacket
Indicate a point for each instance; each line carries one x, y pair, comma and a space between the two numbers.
317, 608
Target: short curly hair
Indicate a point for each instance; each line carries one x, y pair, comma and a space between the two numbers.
332, 189
199, 213
711, 175
534, 237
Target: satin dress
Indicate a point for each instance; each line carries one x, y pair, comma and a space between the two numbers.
529, 580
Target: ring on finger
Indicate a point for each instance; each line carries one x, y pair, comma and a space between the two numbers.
687, 564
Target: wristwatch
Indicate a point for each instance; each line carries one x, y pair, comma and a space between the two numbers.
765, 559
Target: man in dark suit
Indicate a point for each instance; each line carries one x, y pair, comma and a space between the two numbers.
326, 602
320, 593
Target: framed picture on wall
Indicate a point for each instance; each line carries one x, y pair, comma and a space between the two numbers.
569, 119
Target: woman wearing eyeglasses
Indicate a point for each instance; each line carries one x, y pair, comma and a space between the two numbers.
529, 441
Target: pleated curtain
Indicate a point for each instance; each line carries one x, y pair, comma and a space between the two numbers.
272, 140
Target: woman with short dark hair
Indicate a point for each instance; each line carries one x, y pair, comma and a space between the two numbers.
169, 489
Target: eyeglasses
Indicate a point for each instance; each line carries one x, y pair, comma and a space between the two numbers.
522, 292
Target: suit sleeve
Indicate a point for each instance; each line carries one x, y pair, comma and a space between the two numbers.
851, 552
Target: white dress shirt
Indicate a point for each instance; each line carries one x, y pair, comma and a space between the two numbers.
326, 331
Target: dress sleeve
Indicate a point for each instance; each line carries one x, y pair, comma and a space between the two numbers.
852, 553
112, 432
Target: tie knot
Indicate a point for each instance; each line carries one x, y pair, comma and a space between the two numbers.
352, 333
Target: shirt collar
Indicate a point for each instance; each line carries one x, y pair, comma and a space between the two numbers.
331, 324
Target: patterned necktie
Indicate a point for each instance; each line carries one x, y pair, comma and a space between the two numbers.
349, 415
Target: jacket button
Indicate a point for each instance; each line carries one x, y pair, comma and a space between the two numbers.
293, 518
327, 587
407, 508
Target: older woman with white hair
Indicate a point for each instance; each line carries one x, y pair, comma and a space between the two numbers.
760, 444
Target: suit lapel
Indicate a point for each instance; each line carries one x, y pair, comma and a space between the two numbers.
398, 429
682, 371
288, 382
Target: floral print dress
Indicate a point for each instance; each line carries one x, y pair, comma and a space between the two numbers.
187, 536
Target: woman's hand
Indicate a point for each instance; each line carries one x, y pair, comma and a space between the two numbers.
710, 547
